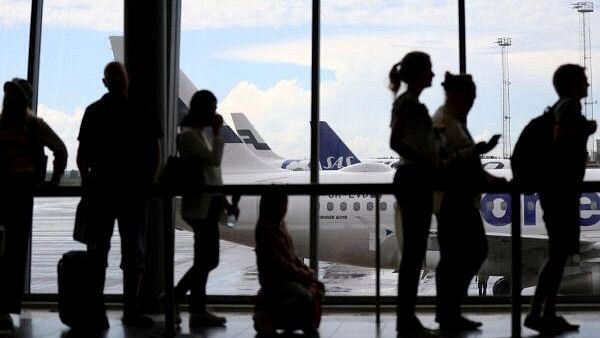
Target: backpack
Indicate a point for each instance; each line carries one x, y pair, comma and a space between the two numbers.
534, 146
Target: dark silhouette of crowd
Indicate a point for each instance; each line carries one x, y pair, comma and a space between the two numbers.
439, 173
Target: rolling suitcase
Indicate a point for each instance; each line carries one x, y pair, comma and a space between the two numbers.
80, 302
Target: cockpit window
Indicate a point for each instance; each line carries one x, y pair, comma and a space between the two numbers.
493, 165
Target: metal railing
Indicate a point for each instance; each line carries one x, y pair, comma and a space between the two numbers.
325, 189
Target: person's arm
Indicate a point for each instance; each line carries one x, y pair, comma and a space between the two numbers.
411, 138
283, 261
83, 164
218, 145
193, 144
58, 148
571, 127
83, 151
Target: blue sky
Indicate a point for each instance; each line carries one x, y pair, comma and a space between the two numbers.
255, 55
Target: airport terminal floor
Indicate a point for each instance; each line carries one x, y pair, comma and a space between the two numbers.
336, 323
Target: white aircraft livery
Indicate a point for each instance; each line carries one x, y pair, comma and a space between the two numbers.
334, 154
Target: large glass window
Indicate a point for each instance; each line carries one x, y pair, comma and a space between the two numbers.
14, 37
75, 48
360, 42
255, 57
513, 61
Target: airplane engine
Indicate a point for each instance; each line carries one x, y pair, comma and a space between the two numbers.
502, 287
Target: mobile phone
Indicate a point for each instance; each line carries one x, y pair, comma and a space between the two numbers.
494, 138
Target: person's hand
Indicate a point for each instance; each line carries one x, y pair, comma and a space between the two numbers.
484, 147
495, 180
217, 123
593, 126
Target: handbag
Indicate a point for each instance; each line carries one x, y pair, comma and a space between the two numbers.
81, 229
182, 174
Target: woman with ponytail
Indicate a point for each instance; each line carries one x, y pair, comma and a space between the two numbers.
412, 137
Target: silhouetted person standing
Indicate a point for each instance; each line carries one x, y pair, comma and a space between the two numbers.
461, 236
413, 139
22, 138
290, 295
560, 197
118, 157
201, 138
482, 281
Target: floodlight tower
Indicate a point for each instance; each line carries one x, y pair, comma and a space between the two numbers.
585, 45
504, 43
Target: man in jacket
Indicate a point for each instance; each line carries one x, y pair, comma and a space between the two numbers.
118, 157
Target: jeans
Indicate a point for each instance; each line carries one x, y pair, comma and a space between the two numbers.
414, 194
206, 257
463, 248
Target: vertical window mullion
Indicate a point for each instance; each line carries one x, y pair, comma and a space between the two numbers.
33, 75
314, 132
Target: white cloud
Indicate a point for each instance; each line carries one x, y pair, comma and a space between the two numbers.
360, 62
14, 12
356, 102
106, 15
241, 14
101, 15
361, 39
280, 110
512, 17
66, 126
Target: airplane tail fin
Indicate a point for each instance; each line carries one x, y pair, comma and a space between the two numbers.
334, 154
186, 87
252, 138
236, 157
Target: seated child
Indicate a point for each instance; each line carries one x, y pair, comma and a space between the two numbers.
290, 295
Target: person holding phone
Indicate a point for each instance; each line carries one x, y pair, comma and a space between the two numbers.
201, 138
461, 236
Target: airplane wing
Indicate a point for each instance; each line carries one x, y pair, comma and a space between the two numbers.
534, 247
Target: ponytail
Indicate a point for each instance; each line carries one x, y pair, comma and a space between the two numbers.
407, 70
395, 78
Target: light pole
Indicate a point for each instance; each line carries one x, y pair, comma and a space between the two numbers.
504, 43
